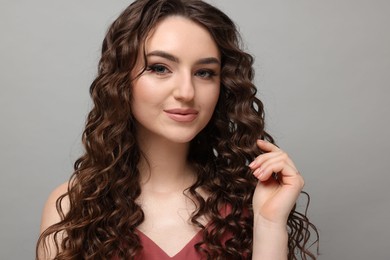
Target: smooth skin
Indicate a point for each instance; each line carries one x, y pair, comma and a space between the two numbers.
183, 73
173, 100
273, 200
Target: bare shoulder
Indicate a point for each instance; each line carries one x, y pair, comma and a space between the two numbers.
50, 214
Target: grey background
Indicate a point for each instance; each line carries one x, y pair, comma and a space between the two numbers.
322, 72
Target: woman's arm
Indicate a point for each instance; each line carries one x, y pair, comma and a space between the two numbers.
273, 200
50, 216
269, 240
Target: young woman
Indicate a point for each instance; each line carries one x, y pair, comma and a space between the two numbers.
177, 163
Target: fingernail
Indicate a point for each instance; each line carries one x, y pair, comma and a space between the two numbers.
257, 173
261, 174
251, 164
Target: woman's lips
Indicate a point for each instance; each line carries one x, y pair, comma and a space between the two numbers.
182, 115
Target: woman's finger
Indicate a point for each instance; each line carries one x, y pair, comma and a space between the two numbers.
259, 160
267, 146
286, 174
275, 162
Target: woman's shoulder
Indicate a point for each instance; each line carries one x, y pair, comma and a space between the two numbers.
50, 214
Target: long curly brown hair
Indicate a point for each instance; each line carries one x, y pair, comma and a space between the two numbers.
103, 214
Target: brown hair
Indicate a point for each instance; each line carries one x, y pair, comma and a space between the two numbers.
103, 189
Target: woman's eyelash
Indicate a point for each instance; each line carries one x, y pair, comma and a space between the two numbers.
157, 68
205, 73
162, 69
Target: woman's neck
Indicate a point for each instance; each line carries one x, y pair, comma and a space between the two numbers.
165, 168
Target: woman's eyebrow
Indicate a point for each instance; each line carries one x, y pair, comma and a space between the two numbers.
211, 60
168, 56
164, 55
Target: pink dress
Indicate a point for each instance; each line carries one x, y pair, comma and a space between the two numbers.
151, 251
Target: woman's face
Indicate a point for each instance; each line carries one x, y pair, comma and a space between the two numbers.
175, 97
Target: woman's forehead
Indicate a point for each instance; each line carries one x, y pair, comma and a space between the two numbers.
183, 37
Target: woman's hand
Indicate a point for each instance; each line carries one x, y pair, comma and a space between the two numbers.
279, 185
277, 190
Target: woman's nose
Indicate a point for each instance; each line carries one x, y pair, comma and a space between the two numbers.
185, 88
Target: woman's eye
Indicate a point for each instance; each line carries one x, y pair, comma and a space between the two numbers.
206, 74
159, 69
